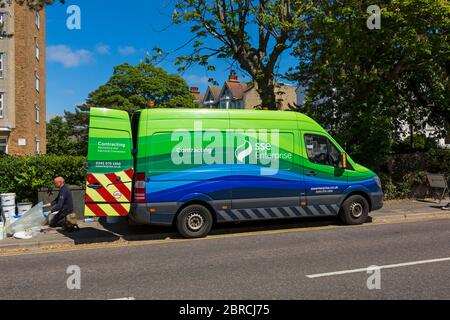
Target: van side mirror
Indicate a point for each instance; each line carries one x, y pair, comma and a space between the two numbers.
343, 161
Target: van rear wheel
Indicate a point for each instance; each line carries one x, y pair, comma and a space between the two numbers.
194, 221
355, 210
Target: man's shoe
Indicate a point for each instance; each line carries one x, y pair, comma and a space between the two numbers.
447, 207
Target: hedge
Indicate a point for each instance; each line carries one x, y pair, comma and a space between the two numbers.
404, 175
26, 175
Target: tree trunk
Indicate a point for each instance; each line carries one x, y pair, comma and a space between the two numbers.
266, 91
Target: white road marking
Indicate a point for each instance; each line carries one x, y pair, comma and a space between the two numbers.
129, 298
390, 266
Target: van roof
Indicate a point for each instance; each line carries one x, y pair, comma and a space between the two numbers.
160, 114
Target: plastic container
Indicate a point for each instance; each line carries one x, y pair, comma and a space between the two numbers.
2, 231
9, 212
23, 208
15, 218
8, 199
33, 218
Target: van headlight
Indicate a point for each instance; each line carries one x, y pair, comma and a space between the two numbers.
378, 182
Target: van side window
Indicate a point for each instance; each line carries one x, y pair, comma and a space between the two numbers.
321, 150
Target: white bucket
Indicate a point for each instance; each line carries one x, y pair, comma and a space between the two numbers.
8, 199
23, 208
9, 212
2, 226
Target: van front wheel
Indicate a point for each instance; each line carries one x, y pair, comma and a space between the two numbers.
194, 221
355, 210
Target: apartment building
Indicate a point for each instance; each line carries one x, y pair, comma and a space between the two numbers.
22, 81
239, 95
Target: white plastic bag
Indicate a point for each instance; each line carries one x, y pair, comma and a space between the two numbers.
33, 218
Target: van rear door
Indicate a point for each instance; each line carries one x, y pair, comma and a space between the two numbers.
110, 164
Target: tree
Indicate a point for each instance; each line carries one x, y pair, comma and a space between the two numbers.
367, 86
59, 141
131, 88
253, 33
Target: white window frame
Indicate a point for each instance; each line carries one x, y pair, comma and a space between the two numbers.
2, 21
38, 116
38, 20
38, 146
2, 65
38, 52
2, 105
38, 82
4, 143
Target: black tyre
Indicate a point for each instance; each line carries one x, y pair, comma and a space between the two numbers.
194, 221
355, 210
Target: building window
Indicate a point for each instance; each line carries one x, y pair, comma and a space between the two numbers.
3, 145
2, 63
2, 105
37, 114
37, 50
38, 146
2, 25
38, 21
37, 81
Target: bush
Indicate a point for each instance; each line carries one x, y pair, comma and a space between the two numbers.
26, 175
404, 175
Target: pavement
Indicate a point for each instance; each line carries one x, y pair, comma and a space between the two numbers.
101, 232
309, 263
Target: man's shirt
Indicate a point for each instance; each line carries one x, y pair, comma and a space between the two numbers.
64, 202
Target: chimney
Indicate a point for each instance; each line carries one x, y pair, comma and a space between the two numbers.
233, 76
195, 90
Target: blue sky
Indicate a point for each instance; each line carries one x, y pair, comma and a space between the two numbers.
112, 32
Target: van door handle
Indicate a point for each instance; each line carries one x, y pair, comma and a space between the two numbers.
95, 186
312, 174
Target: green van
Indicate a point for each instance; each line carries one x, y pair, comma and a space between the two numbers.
192, 168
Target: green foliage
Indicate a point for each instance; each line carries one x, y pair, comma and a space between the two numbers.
59, 140
25, 175
365, 85
131, 88
419, 143
404, 175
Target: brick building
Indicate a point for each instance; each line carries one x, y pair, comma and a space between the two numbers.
239, 95
22, 81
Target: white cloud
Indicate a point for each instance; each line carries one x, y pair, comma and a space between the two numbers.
126, 51
102, 49
68, 57
197, 80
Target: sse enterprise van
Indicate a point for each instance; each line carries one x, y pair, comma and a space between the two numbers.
192, 168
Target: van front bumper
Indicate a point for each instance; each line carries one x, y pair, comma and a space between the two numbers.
377, 199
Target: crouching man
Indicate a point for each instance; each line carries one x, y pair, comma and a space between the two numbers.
63, 205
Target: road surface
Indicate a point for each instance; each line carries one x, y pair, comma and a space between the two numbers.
327, 263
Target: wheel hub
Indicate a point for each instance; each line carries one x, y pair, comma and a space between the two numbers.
356, 210
195, 221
